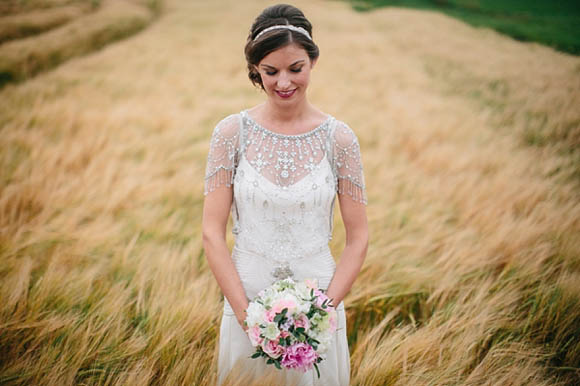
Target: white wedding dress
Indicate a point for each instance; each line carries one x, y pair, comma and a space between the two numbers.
284, 189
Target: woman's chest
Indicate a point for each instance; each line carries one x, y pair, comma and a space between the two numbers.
312, 194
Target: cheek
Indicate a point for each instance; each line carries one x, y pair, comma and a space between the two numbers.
304, 78
268, 82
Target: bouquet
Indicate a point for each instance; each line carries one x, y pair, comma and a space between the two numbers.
291, 324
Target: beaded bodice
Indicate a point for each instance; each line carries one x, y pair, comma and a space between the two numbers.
284, 186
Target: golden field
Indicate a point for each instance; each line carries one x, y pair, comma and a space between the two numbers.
470, 148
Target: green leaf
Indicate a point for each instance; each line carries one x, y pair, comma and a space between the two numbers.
317, 371
277, 364
256, 355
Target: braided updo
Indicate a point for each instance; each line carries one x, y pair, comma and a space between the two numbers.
272, 40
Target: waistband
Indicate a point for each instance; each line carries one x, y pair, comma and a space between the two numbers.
237, 251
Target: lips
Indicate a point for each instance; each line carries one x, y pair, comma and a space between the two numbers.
285, 94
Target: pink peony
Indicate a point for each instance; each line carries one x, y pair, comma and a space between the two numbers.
254, 335
302, 321
299, 356
272, 348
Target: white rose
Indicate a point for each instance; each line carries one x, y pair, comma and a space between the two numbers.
255, 314
303, 290
271, 331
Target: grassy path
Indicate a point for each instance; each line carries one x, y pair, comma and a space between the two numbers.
468, 144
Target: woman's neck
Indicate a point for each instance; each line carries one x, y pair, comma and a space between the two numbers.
293, 113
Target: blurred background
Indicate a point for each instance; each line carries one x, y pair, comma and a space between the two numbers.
468, 117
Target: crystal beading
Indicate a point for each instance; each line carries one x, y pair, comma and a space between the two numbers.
284, 26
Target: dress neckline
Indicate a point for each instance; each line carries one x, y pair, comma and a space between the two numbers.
275, 134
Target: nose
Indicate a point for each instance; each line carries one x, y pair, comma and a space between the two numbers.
283, 81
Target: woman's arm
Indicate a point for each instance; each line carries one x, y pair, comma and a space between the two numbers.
355, 222
216, 208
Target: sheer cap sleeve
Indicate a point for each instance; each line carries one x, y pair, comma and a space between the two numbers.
347, 163
222, 158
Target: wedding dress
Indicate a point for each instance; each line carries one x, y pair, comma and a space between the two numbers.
284, 189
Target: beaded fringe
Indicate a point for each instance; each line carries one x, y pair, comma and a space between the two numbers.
355, 191
225, 177
220, 177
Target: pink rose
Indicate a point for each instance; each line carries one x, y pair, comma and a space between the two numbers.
254, 335
284, 303
310, 283
320, 298
270, 315
299, 356
302, 321
272, 348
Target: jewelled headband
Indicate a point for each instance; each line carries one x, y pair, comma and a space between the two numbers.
284, 26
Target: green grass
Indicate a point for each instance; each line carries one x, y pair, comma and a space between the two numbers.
553, 23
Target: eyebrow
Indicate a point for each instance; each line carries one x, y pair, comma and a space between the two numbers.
293, 64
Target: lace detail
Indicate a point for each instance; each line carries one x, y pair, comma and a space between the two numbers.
348, 164
284, 159
223, 154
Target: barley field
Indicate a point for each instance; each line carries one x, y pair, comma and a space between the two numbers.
470, 144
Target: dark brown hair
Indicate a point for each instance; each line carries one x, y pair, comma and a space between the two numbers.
272, 40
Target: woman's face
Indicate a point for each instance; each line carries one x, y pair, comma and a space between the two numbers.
285, 74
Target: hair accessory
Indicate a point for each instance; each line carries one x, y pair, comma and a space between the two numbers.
284, 26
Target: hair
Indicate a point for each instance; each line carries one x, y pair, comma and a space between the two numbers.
256, 50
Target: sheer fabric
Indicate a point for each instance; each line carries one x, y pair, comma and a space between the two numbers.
284, 189
284, 159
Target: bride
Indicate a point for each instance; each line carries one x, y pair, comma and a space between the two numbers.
278, 168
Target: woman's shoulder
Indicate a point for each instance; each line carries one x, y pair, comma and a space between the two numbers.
229, 126
342, 134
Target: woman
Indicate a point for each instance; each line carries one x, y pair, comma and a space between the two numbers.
278, 167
